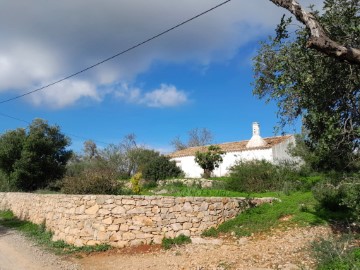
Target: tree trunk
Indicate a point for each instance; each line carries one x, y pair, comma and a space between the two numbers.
207, 173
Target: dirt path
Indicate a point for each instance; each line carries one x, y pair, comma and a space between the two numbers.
286, 250
19, 253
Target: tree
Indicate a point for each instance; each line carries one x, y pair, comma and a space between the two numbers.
322, 90
197, 137
11, 144
38, 158
160, 168
209, 160
90, 149
320, 38
127, 157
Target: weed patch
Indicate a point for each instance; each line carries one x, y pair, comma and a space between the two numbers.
167, 243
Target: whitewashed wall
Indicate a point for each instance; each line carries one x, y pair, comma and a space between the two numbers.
193, 170
189, 166
230, 158
280, 151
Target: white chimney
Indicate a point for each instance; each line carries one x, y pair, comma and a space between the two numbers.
256, 140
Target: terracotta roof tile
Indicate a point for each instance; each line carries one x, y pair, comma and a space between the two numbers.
230, 146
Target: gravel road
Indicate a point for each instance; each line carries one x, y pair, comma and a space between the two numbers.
20, 253
285, 250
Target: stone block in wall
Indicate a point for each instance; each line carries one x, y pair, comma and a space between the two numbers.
92, 210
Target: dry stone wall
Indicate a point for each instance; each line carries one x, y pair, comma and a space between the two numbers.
123, 220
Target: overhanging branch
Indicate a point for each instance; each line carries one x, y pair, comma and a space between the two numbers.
318, 38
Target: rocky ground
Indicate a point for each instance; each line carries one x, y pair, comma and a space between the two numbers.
280, 249
286, 250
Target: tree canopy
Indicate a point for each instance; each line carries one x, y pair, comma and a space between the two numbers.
319, 37
209, 160
322, 90
34, 158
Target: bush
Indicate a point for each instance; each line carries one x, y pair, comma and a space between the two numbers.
344, 195
351, 190
135, 183
262, 176
329, 195
92, 180
336, 253
149, 184
160, 168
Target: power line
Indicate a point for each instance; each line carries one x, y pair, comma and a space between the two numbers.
14, 118
66, 133
116, 55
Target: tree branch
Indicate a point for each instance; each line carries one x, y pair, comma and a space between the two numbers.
318, 39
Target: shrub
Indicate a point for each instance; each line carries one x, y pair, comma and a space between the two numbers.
254, 176
351, 190
336, 253
92, 180
160, 168
135, 183
149, 184
344, 195
308, 182
329, 195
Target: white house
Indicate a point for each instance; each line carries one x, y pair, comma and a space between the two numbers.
272, 149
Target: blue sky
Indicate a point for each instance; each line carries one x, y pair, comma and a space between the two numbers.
198, 76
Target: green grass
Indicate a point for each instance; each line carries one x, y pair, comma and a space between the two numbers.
167, 243
296, 209
42, 237
184, 191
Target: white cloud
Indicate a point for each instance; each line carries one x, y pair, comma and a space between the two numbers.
65, 94
165, 96
50, 40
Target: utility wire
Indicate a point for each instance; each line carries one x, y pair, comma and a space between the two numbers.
14, 118
66, 133
116, 55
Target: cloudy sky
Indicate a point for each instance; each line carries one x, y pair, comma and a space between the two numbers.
198, 75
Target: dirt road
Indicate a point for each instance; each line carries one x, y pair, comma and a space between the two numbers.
285, 250
19, 253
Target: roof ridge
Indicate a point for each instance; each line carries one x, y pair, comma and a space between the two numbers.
240, 146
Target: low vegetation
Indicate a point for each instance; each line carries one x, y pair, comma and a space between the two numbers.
167, 243
296, 209
338, 253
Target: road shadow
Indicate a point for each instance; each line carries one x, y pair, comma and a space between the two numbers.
5, 231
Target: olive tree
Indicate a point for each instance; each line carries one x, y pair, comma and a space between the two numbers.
321, 90
209, 160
